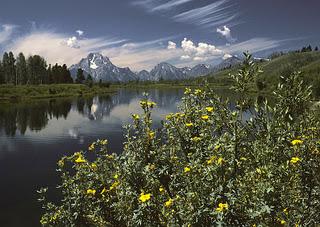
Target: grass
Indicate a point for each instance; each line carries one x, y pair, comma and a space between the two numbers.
9, 93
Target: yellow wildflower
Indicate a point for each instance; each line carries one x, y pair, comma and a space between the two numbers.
151, 104
114, 185
143, 103
94, 166
151, 167
61, 163
205, 117
209, 109
104, 190
91, 147
243, 159
197, 91
189, 124
169, 116
294, 160
187, 169
91, 192
168, 203
104, 142
296, 142
151, 135
144, 197
220, 161
110, 156
161, 189
187, 91
211, 160
217, 147
282, 222
196, 139
135, 116
285, 210
80, 159
258, 170
222, 206
116, 176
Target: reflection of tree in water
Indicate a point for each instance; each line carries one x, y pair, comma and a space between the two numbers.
35, 116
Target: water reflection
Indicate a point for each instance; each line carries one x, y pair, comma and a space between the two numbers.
17, 118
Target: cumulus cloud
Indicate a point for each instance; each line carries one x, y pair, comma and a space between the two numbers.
171, 45
226, 32
73, 42
80, 32
199, 52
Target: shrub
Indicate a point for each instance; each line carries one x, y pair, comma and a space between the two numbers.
208, 165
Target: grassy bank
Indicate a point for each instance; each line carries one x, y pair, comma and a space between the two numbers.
9, 93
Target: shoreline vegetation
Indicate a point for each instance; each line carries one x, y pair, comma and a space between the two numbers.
11, 93
206, 165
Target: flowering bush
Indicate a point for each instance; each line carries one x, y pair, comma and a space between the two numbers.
208, 165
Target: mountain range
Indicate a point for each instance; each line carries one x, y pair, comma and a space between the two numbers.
101, 68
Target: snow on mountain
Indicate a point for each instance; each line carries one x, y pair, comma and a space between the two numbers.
101, 68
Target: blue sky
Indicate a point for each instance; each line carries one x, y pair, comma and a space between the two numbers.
142, 33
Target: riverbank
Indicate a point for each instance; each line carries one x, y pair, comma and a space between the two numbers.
11, 93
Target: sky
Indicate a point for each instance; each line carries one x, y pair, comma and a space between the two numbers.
142, 33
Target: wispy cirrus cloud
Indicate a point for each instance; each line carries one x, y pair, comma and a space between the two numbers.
137, 55
156, 5
214, 14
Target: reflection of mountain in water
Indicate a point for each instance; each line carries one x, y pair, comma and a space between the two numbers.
17, 118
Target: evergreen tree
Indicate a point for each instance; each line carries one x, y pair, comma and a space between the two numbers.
5, 67
89, 80
37, 69
309, 48
11, 68
66, 75
316, 48
1, 74
21, 68
80, 76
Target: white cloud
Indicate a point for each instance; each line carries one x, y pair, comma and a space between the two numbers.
80, 32
214, 14
226, 56
73, 42
185, 57
136, 55
171, 45
155, 5
199, 52
6, 31
226, 32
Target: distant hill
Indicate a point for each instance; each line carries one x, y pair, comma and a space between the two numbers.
308, 63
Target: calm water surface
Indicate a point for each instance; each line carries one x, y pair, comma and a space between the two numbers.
35, 135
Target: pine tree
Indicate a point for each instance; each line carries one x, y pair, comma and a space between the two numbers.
80, 76
5, 67
309, 48
316, 49
21, 68
1, 74
89, 80
11, 69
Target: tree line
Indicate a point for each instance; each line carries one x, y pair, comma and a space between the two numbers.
32, 70
304, 49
